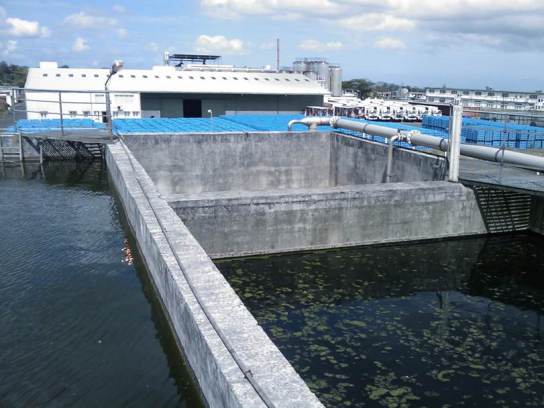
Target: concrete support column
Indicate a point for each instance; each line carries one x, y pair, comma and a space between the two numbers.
454, 152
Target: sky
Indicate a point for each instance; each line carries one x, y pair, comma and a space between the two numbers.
457, 43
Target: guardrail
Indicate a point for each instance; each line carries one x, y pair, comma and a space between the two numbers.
27, 103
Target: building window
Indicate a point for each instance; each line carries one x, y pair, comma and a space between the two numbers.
83, 75
224, 78
73, 114
121, 76
156, 76
190, 77
133, 76
287, 79
296, 79
135, 113
442, 91
246, 78
491, 94
256, 79
505, 95
466, 92
97, 114
96, 75
44, 75
235, 78
144, 76
478, 93
180, 77
267, 79
533, 96
277, 79
86, 113
168, 77
58, 75
213, 77
43, 114
202, 77
71, 75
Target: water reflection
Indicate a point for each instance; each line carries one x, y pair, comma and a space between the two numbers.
450, 323
80, 324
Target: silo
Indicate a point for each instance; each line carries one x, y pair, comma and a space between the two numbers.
300, 66
336, 81
322, 70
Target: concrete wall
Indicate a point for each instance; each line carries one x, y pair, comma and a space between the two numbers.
242, 224
537, 215
356, 161
174, 258
199, 163
190, 164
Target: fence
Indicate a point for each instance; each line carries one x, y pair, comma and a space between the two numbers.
39, 110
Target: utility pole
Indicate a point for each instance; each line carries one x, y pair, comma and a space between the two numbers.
278, 54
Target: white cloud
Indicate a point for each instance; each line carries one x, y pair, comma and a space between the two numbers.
389, 43
80, 45
18, 27
118, 8
7, 47
122, 32
153, 47
85, 20
220, 44
506, 24
315, 45
377, 22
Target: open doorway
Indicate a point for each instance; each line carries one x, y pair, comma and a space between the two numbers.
192, 108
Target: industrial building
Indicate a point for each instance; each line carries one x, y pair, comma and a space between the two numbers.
483, 99
186, 90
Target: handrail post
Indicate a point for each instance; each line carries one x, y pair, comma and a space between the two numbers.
13, 113
61, 116
108, 113
454, 154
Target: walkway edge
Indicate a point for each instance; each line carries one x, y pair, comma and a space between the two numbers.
170, 253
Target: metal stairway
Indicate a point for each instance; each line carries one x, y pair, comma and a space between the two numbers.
10, 147
503, 210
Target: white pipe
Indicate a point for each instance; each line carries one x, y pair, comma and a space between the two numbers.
311, 122
417, 138
389, 169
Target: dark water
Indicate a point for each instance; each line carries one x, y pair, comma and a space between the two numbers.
450, 323
79, 322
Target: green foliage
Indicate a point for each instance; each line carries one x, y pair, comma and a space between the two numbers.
365, 88
12, 75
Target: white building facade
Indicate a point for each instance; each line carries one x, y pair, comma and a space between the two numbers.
165, 91
488, 99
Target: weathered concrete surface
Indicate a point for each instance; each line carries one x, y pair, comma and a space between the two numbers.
356, 161
173, 256
221, 162
201, 163
235, 224
537, 215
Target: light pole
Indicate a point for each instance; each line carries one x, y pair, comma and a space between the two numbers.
115, 68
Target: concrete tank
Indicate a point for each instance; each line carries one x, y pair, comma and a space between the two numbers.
336, 81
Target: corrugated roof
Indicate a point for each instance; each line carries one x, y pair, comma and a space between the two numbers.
168, 79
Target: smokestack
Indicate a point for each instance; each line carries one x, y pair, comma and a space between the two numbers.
278, 54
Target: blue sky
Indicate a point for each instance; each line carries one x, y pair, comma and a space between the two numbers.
461, 43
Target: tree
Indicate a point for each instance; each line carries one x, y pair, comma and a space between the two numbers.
363, 87
12, 75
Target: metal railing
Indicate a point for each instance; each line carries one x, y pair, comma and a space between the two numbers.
64, 105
